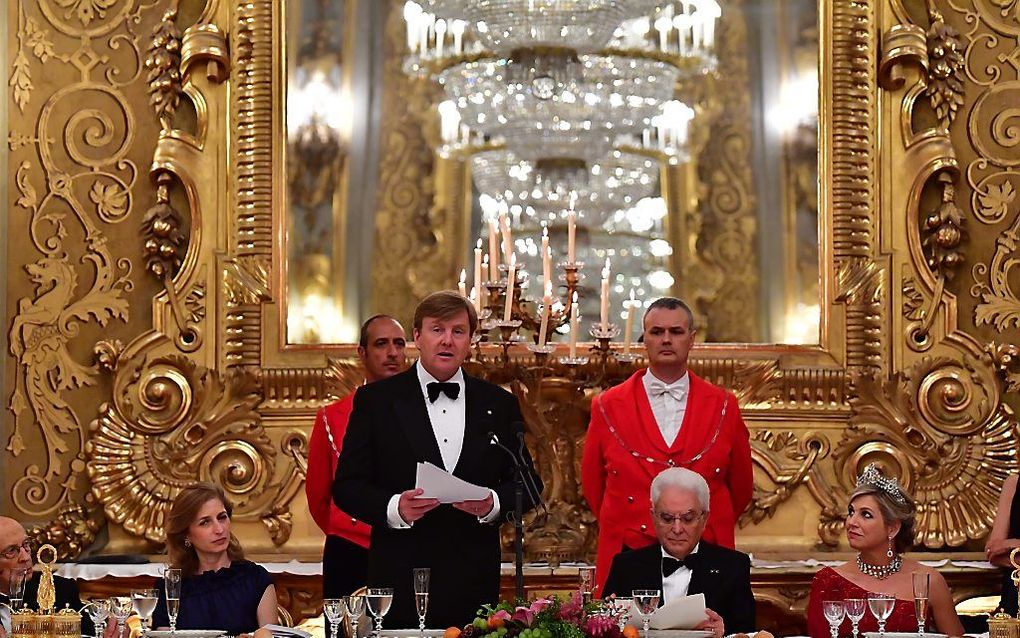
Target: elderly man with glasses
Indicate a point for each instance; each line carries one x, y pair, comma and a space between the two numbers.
16, 561
681, 563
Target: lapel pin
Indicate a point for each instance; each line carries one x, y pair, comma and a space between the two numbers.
488, 412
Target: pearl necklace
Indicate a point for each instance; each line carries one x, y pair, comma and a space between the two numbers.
880, 572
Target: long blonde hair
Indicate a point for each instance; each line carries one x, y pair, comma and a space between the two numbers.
182, 514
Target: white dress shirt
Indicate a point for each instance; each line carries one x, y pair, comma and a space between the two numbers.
669, 403
676, 584
447, 417
5, 619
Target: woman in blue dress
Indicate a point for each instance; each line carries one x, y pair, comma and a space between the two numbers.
219, 588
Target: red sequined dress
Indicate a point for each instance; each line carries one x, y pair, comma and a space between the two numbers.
829, 585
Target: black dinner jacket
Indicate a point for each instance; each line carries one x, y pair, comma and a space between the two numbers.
389, 432
723, 575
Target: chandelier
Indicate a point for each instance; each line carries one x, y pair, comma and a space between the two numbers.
557, 101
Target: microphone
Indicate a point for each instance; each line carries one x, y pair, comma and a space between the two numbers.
494, 440
532, 487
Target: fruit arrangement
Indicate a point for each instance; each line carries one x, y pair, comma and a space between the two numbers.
542, 618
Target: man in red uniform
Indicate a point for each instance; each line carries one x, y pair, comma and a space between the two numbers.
662, 417
345, 554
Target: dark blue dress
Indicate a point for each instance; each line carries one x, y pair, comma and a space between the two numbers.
226, 599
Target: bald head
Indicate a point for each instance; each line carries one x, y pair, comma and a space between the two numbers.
14, 553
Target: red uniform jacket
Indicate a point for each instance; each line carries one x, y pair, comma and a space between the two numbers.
322, 459
616, 483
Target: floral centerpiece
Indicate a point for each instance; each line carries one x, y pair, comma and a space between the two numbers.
548, 618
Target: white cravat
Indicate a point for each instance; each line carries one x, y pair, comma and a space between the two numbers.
676, 584
447, 417
669, 403
5, 619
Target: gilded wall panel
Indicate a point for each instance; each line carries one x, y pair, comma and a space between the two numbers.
81, 134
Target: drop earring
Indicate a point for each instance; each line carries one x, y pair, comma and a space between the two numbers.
187, 543
889, 554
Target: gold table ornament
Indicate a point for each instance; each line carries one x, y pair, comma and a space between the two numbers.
47, 597
66, 623
24, 623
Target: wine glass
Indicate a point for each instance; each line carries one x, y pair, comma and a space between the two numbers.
99, 611
881, 606
334, 610
586, 575
17, 588
834, 612
144, 603
621, 608
855, 608
421, 594
647, 601
921, 582
121, 607
379, 600
354, 607
172, 582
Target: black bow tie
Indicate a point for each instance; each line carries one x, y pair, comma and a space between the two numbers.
670, 564
436, 388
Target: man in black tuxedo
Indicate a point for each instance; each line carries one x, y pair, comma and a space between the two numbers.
681, 563
433, 413
16, 556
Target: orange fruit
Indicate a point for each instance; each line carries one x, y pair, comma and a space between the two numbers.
496, 623
451, 632
630, 631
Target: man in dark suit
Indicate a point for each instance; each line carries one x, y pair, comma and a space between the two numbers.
682, 564
432, 413
16, 556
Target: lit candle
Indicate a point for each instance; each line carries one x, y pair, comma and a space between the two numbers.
630, 322
412, 13
573, 326
458, 36
440, 36
546, 257
504, 226
462, 284
546, 309
663, 25
510, 278
478, 264
493, 251
604, 306
571, 234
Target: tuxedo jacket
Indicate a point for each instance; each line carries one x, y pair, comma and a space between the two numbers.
388, 434
722, 575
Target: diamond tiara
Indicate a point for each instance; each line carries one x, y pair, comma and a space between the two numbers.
872, 476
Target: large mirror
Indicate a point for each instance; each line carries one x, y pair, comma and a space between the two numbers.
684, 150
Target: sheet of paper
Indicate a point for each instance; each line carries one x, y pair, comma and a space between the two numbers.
438, 483
682, 613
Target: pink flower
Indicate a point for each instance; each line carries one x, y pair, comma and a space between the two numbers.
571, 610
527, 615
502, 614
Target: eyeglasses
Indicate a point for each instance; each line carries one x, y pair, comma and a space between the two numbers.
14, 550
687, 518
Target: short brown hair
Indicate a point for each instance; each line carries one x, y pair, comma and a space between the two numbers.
182, 514
892, 511
443, 305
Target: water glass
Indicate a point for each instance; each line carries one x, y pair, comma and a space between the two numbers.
921, 584
881, 606
354, 607
834, 612
172, 582
144, 603
586, 575
621, 609
422, 575
379, 600
855, 608
121, 607
17, 588
647, 601
333, 608
99, 611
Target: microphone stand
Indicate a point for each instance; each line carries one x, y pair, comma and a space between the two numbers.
518, 518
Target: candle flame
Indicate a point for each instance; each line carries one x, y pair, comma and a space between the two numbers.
463, 275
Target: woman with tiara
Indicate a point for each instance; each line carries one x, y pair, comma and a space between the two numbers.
880, 527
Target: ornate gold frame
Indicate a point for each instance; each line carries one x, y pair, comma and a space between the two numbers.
901, 375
